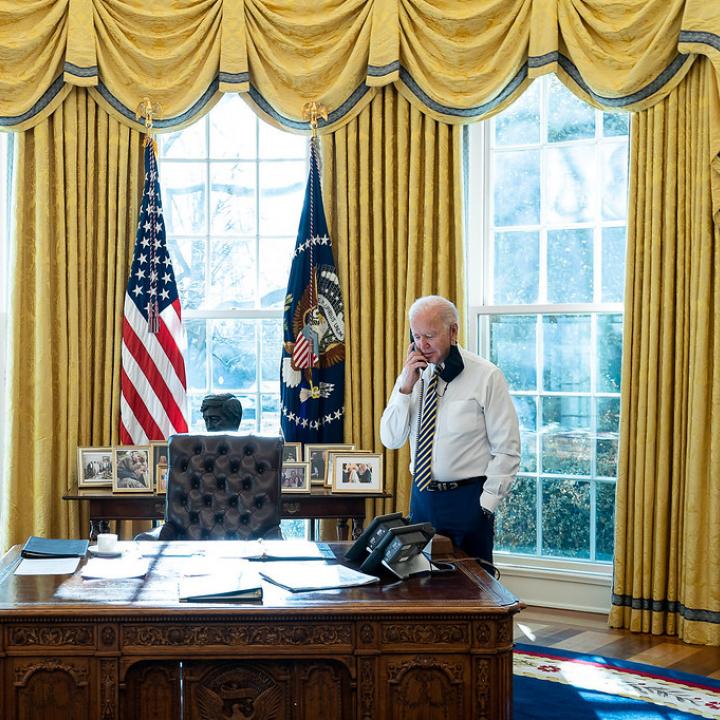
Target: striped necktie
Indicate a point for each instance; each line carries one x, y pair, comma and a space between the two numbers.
423, 448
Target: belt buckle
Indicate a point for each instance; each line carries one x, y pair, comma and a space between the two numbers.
451, 486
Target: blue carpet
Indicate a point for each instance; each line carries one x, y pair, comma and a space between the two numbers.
550, 683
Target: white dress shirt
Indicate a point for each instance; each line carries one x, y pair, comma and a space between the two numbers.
476, 431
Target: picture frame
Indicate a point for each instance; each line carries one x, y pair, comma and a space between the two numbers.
356, 472
316, 455
161, 478
295, 477
292, 452
133, 469
160, 453
95, 467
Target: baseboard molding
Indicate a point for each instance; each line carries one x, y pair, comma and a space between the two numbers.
565, 589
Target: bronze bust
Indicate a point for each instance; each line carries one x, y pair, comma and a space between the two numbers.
221, 412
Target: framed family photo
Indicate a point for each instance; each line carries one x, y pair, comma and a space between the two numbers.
295, 477
317, 455
292, 452
356, 472
95, 467
133, 468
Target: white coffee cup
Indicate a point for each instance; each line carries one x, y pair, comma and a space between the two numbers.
107, 542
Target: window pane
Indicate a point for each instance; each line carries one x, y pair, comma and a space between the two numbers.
566, 353
520, 123
517, 188
282, 187
196, 422
270, 414
613, 264
515, 525
609, 352
184, 192
513, 349
615, 172
521, 251
605, 520
566, 518
271, 347
250, 415
616, 124
526, 408
188, 260
232, 203
569, 117
234, 355
232, 274
184, 144
566, 443
276, 256
570, 266
570, 179
280, 144
233, 130
195, 357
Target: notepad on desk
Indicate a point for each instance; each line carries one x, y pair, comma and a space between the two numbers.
305, 577
220, 588
44, 548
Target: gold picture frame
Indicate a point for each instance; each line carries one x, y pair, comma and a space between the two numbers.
95, 467
357, 472
133, 469
317, 456
292, 452
295, 477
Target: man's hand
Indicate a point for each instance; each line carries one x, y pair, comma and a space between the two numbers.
415, 363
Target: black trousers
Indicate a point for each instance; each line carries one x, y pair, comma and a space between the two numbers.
458, 515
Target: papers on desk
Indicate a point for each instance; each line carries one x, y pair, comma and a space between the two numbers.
307, 576
48, 566
240, 549
116, 569
245, 585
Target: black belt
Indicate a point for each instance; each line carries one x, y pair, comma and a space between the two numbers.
436, 486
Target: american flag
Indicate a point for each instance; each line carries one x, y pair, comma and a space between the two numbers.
153, 385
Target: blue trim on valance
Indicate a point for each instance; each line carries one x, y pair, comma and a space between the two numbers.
703, 38
508, 90
45, 99
78, 71
189, 114
333, 117
237, 78
619, 102
381, 70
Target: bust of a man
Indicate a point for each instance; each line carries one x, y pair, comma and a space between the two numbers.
221, 412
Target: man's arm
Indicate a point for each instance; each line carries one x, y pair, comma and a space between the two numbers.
503, 432
395, 421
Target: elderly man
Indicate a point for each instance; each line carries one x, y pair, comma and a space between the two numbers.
464, 436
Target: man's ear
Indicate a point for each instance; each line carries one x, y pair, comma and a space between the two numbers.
453, 333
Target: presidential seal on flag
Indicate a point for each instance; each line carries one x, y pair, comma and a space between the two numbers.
313, 355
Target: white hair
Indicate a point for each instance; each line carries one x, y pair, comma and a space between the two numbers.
445, 309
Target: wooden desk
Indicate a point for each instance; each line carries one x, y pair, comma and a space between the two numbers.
429, 648
318, 504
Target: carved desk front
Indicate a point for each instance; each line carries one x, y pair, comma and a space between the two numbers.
430, 647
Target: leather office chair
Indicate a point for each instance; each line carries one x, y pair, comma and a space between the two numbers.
222, 486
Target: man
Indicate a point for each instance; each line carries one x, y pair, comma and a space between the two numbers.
132, 471
221, 412
469, 440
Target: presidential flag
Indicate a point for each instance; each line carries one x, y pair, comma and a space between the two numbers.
153, 402
313, 357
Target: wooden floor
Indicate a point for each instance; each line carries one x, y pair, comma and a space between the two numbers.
589, 633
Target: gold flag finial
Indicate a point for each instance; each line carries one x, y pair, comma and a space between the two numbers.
146, 109
311, 112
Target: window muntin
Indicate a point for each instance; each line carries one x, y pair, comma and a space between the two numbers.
546, 262
232, 195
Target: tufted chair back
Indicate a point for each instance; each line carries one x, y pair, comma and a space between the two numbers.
223, 486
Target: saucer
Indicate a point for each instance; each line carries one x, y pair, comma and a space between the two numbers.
93, 550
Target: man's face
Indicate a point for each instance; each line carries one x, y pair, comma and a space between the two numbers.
432, 338
214, 419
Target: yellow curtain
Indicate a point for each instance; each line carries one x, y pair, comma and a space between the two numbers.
392, 188
77, 193
667, 572
453, 61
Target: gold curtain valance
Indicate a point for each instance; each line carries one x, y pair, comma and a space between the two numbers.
453, 61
